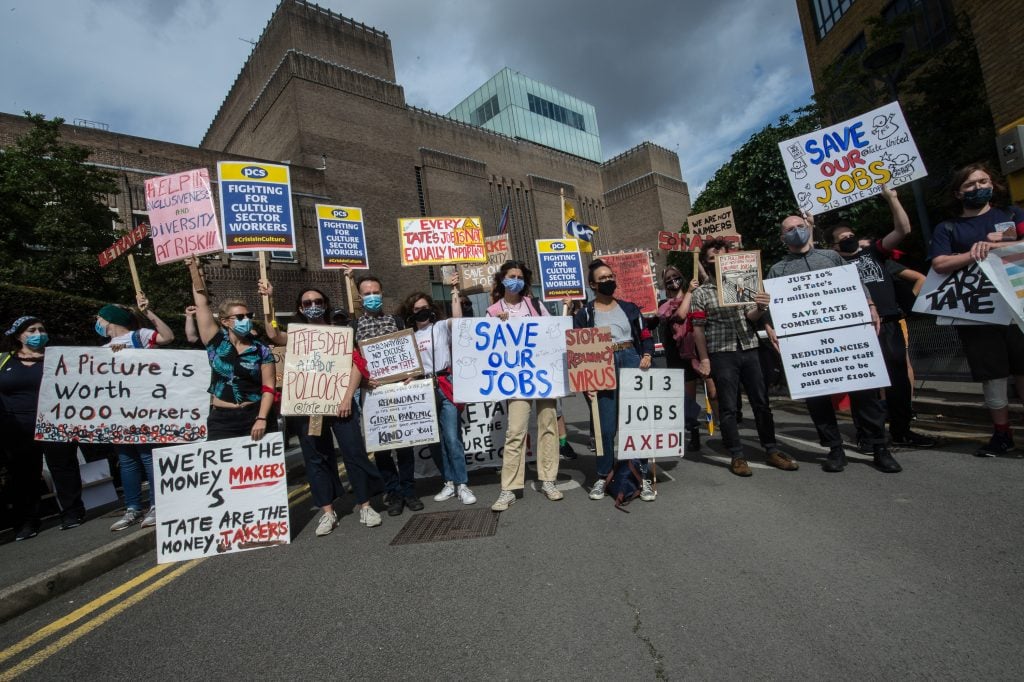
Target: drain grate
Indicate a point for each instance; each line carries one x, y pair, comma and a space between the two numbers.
448, 525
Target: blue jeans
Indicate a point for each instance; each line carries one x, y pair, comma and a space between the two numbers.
134, 460
608, 411
449, 452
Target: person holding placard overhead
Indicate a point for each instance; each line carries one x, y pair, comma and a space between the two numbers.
120, 325
727, 347
318, 453
634, 348
994, 352
510, 294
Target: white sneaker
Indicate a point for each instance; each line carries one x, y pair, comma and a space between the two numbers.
447, 492
505, 500
597, 492
647, 492
130, 518
466, 495
150, 519
549, 489
328, 522
369, 517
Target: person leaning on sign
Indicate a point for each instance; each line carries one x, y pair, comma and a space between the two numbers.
727, 347
241, 371
21, 375
866, 406
120, 325
400, 481
634, 348
994, 352
511, 298
318, 453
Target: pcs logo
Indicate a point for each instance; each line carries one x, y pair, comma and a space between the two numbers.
338, 213
254, 172
558, 246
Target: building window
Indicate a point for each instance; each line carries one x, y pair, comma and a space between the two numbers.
485, 112
827, 13
933, 23
555, 112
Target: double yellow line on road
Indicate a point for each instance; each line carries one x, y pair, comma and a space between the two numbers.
169, 573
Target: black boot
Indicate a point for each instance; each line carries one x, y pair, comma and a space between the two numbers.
835, 461
694, 444
885, 462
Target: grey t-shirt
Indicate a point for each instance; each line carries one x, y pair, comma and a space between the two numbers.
617, 320
795, 263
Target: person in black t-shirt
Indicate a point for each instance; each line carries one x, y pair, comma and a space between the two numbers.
870, 262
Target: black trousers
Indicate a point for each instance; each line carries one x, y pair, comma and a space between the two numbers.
868, 414
730, 370
25, 467
898, 395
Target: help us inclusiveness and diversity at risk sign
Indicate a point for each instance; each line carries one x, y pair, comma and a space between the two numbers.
561, 270
440, 241
256, 206
342, 237
182, 218
848, 162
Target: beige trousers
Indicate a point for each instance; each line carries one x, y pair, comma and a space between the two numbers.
513, 464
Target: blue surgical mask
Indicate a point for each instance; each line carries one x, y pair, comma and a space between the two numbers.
513, 285
977, 198
373, 302
100, 329
797, 236
37, 341
243, 327
314, 312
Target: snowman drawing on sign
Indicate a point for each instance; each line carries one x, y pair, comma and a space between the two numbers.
467, 368
799, 169
465, 336
901, 166
804, 199
882, 126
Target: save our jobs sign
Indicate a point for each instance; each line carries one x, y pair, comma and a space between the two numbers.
848, 162
651, 419
561, 270
400, 415
183, 221
256, 206
439, 241
826, 338
317, 369
342, 237
220, 497
138, 396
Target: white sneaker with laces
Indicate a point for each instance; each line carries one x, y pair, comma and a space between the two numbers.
150, 519
597, 492
505, 500
130, 518
447, 492
369, 517
549, 489
328, 522
647, 492
466, 495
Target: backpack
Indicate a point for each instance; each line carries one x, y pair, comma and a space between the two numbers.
623, 483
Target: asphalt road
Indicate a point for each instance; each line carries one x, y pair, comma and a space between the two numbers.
783, 575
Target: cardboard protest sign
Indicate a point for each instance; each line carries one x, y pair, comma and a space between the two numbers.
590, 359
438, 241
850, 161
716, 224
400, 415
817, 300
475, 278
651, 419
392, 357
738, 277
342, 237
482, 428
635, 279
680, 241
1005, 269
220, 497
965, 294
256, 206
561, 270
523, 357
836, 361
183, 219
317, 369
121, 246
138, 396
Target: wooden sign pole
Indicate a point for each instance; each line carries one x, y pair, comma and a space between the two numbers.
598, 442
264, 278
349, 292
198, 283
135, 274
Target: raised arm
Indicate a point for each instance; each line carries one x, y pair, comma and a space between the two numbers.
205, 319
900, 221
164, 334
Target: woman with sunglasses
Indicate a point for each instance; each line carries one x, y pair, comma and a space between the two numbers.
677, 336
241, 371
511, 299
321, 459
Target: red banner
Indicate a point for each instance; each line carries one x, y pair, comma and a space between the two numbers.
121, 246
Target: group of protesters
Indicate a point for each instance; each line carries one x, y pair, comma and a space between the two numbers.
728, 349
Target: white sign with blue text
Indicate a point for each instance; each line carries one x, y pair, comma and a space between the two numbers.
518, 358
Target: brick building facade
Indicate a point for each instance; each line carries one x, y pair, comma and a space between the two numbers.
318, 92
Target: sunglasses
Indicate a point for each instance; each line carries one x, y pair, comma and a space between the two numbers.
310, 302
239, 316
674, 280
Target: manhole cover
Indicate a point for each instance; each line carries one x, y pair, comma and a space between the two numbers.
449, 525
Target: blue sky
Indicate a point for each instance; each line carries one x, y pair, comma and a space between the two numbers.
695, 77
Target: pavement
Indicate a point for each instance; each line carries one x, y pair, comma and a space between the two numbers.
54, 562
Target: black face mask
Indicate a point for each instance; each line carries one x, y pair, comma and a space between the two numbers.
425, 315
674, 284
606, 288
848, 244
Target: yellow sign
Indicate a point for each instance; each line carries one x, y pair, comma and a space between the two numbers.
439, 241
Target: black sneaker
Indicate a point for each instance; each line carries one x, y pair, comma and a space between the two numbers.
885, 462
566, 451
395, 504
412, 503
999, 444
909, 439
72, 522
835, 461
694, 444
27, 532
